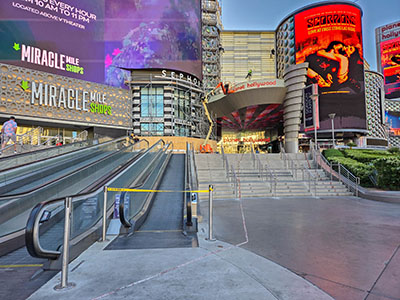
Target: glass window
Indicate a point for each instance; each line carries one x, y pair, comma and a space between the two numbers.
152, 129
152, 102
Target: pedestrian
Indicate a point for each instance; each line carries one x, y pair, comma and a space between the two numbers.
9, 132
249, 74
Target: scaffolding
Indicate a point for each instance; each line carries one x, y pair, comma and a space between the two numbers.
211, 43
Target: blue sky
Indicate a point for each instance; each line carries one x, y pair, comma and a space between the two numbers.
267, 14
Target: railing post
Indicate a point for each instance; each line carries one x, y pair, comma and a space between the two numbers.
105, 213
65, 255
340, 174
210, 213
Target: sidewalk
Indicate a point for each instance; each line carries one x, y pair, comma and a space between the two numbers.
214, 270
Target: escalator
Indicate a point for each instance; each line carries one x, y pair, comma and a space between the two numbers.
33, 265
167, 215
20, 159
163, 226
57, 177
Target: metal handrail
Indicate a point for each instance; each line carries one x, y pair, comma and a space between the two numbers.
147, 172
81, 136
235, 181
31, 134
351, 181
288, 162
48, 142
273, 179
225, 162
32, 240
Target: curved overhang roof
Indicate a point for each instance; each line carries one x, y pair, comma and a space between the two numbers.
249, 93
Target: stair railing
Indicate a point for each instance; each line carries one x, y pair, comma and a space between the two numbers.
81, 137
270, 177
351, 181
225, 162
310, 179
234, 179
31, 137
288, 162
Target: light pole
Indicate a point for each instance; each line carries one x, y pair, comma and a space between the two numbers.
332, 116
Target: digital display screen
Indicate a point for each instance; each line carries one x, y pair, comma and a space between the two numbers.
98, 40
390, 60
393, 120
329, 38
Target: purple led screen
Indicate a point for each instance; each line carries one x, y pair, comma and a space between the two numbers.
152, 34
97, 40
60, 37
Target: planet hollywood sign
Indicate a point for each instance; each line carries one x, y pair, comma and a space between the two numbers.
257, 84
246, 140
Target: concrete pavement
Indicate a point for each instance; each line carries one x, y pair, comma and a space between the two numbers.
214, 270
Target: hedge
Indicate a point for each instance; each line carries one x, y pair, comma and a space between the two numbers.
388, 172
366, 156
332, 153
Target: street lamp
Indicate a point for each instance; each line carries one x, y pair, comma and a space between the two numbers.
332, 116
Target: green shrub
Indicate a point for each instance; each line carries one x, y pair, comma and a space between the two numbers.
358, 169
351, 144
332, 153
366, 156
394, 150
388, 172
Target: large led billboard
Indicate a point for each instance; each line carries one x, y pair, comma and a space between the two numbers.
329, 38
97, 40
388, 42
153, 34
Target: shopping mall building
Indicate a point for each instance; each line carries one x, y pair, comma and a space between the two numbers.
146, 69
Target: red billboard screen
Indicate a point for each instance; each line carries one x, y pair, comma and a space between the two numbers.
329, 38
390, 59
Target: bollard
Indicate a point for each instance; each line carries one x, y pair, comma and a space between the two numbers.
105, 213
65, 258
210, 214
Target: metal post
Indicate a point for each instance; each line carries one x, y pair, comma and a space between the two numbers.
210, 213
65, 255
332, 116
105, 213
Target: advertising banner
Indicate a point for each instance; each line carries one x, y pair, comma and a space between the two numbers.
393, 120
59, 37
390, 60
310, 107
329, 38
98, 40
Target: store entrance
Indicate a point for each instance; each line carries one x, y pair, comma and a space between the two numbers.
266, 141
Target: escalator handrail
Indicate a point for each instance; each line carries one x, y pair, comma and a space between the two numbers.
19, 195
58, 155
32, 240
123, 219
188, 187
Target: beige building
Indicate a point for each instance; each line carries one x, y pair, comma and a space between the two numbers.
245, 50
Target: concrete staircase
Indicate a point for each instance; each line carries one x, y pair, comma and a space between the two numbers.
211, 170
289, 178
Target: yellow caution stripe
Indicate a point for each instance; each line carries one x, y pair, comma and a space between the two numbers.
20, 266
153, 191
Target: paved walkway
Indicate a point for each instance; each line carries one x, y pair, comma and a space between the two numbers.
215, 270
346, 248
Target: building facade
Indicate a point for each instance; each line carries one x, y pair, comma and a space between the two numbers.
247, 50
